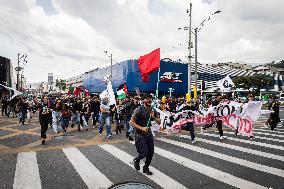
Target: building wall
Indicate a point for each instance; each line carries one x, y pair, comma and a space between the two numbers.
174, 76
5, 71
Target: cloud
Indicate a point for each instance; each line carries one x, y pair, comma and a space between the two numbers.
74, 34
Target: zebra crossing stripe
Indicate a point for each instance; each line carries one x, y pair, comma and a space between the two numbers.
249, 142
89, 173
249, 164
260, 137
267, 134
267, 130
27, 172
239, 148
158, 177
209, 171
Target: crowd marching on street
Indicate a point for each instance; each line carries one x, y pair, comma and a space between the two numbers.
133, 114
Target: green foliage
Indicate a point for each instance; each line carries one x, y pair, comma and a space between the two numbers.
276, 64
61, 84
257, 81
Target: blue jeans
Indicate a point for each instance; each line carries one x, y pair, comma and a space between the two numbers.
105, 120
22, 116
95, 118
85, 119
64, 123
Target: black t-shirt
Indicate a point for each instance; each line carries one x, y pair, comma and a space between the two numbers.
142, 115
4, 103
95, 107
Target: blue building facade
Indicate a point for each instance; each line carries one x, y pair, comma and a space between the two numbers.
172, 75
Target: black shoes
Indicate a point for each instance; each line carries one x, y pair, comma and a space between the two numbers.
147, 171
131, 138
136, 164
43, 142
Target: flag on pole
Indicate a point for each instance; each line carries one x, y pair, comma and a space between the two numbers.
148, 64
122, 91
225, 84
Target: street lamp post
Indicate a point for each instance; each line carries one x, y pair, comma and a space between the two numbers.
189, 49
18, 68
110, 65
196, 30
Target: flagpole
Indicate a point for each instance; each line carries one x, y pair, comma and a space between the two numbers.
156, 96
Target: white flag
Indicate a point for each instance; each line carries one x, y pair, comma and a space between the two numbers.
225, 84
111, 94
108, 93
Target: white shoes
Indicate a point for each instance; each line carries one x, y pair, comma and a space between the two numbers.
223, 137
193, 141
201, 131
266, 126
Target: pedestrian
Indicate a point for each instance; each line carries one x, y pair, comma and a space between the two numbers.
23, 107
77, 108
95, 109
86, 114
56, 115
189, 126
144, 140
119, 120
65, 117
275, 119
44, 118
105, 117
218, 122
4, 102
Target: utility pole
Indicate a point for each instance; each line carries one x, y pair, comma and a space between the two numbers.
18, 70
111, 67
189, 51
195, 57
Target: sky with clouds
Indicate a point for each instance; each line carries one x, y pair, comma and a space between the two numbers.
68, 37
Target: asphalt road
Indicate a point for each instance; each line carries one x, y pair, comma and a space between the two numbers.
84, 160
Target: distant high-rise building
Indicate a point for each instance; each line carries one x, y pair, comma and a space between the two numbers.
50, 79
5, 71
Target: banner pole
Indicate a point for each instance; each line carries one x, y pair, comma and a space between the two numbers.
155, 98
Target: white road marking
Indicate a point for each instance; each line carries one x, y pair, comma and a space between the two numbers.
88, 172
249, 164
158, 177
27, 172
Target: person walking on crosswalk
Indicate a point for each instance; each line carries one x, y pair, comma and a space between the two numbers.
219, 122
275, 119
44, 118
144, 140
105, 117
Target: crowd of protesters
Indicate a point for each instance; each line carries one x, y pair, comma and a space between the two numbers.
91, 111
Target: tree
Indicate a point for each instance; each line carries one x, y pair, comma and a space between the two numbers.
257, 82
61, 84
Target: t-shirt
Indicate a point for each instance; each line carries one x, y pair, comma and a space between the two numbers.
142, 115
105, 107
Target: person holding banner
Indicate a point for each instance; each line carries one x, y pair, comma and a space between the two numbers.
144, 140
189, 126
219, 123
275, 119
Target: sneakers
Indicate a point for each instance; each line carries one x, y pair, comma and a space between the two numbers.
147, 171
109, 136
193, 141
251, 137
236, 132
201, 131
100, 134
266, 126
131, 138
136, 164
223, 137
